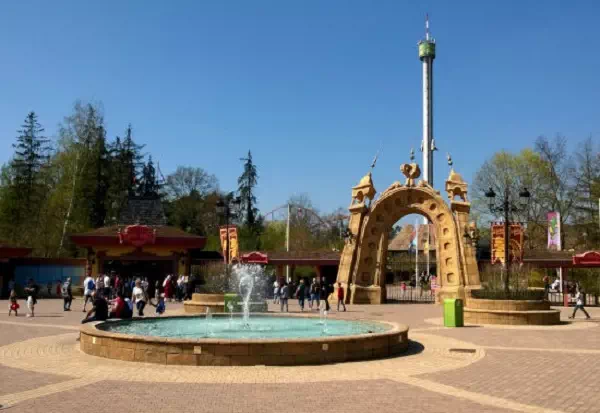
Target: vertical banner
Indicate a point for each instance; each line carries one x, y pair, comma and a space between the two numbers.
234, 252
554, 243
516, 242
497, 236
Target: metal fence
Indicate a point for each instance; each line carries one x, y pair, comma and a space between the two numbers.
591, 300
395, 294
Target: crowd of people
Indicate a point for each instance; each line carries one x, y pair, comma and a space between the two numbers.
316, 293
110, 295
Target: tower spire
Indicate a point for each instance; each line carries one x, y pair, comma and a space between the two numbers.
427, 55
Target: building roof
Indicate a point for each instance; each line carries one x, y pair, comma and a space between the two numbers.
11, 251
293, 257
403, 239
146, 210
164, 235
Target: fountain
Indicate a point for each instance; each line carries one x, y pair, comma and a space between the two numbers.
215, 338
246, 275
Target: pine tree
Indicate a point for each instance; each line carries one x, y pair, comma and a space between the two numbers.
253, 223
132, 160
23, 192
247, 182
31, 154
125, 164
148, 185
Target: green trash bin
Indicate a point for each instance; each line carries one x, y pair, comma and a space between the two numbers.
453, 312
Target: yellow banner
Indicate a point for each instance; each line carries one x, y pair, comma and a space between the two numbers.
234, 252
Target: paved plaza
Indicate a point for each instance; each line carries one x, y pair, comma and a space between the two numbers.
471, 369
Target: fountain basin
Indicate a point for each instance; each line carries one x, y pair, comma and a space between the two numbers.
112, 339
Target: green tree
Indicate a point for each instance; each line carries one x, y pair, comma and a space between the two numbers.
148, 184
126, 163
23, 190
246, 188
587, 190
252, 223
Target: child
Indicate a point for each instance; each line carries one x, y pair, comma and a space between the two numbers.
13, 305
160, 305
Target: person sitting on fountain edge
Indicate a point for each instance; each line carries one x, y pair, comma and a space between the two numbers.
99, 309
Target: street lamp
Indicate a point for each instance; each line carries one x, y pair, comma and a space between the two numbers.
224, 207
507, 206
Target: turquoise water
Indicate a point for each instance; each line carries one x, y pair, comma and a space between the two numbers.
259, 327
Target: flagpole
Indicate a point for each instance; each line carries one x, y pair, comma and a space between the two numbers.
416, 252
427, 251
287, 242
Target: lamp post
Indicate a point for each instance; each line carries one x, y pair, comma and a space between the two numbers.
224, 207
506, 206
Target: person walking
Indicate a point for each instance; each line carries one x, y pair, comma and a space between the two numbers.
13, 305
31, 290
139, 297
301, 294
580, 304
67, 295
283, 296
156, 290
100, 285
168, 288
107, 289
315, 291
88, 288
275, 292
340, 296
325, 294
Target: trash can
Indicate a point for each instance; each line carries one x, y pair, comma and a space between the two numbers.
453, 312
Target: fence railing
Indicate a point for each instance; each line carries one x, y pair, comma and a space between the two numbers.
556, 298
396, 294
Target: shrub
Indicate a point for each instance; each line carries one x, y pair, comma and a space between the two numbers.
487, 294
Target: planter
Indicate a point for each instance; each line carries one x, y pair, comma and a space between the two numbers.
510, 312
200, 302
218, 304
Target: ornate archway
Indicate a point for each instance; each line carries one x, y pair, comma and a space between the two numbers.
362, 265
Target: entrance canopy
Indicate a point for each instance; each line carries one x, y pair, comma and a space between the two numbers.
562, 259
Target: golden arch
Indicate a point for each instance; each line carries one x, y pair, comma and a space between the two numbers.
362, 265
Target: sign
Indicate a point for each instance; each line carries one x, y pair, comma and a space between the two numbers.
255, 257
234, 252
589, 258
554, 243
515, 244
434, 284
137, 235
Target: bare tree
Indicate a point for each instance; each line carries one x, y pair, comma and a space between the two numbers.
557, 186
587, 178
187, 179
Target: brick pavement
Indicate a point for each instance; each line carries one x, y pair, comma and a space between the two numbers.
497, 377
384, 395
565, 382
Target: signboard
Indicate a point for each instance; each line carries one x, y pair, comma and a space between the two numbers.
234, 252
137, 235
554, 243
515, 245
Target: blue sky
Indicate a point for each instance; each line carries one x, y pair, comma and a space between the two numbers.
313, 88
